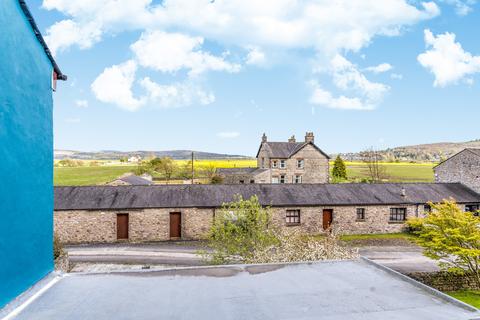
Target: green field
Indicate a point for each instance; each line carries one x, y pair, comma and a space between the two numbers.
88, 175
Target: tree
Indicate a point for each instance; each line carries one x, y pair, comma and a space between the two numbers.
240, 228
164, 165
451, 236
372, 158
339, 171
123, 159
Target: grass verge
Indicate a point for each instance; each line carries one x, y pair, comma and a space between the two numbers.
471, 297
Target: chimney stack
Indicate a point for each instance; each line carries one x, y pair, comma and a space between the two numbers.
309, 137
403, 192
292, 139
264, 138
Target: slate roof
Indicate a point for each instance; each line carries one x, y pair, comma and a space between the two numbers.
284, 150
475, 151
136, 180
38, 35
210, 196
233, 171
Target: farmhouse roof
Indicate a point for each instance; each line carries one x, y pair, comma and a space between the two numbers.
210, 196
284, 150
38, 35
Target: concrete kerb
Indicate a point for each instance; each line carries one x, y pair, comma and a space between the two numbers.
422, 286
14, 307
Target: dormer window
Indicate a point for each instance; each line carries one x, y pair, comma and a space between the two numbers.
283, 164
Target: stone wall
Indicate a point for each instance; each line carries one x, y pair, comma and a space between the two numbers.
445, 281
463, 167
144, 224
315, 170
154, 224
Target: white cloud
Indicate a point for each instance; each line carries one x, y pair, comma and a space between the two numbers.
81, 103
396, 76
176, 95
347, 78
327, 26
462, 7
447, 60
114, 85
255, 56
170, 52
228, 135
383, 67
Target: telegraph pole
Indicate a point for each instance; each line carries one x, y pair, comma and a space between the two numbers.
193, 171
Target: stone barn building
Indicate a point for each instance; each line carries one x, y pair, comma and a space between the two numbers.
463, 167
283, 162
164, 212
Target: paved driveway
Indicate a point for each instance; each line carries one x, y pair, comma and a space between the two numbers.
404, 259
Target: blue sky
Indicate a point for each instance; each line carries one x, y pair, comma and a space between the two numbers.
214, 75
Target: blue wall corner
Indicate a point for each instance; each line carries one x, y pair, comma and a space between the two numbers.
26, 153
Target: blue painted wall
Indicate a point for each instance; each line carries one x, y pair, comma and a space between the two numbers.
26, 155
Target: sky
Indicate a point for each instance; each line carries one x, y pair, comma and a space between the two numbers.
214, 75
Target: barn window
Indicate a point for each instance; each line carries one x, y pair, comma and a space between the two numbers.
360, 214
292, 217
398, 214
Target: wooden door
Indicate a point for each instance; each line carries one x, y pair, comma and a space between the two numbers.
122, 226
327, 218
175, 225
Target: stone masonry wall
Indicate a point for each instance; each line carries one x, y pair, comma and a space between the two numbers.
445, 281
315, 170
144, 224
154, 224
463, 167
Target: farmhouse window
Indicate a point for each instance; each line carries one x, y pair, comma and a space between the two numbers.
282, 178
242, 181
298, 179
274, 179
300, 163
474, 208
398, 214
283, 164
427, 208
252, 181
274, 164
292, 217
360, 214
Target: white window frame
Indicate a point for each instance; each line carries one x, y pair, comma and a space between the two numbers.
297, 178
300, 163
275, 180
283, 164
283, 178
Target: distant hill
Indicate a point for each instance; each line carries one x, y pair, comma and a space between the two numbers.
115, 155
433, 152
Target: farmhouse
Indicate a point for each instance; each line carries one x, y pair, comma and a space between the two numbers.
164, 212
283, 162
463, 167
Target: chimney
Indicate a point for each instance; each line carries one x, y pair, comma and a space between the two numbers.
264, 138
309, 137
292, 139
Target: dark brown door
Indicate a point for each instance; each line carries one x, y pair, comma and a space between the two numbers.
327, 218
175, 225
122, 226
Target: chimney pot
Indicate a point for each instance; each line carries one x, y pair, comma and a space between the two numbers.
292, 139
264, 138
309, 137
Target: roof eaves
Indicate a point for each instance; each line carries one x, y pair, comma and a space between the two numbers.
38, 35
